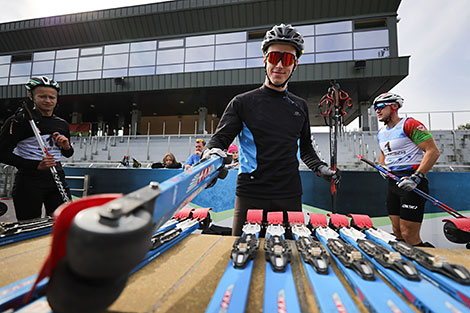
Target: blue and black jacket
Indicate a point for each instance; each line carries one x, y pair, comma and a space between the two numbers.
273, 132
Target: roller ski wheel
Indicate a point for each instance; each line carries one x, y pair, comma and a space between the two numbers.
99, 250
82, 295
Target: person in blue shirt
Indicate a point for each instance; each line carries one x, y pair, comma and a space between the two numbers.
196, 156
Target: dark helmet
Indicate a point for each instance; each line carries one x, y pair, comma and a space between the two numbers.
284, 34
389, 98
39, 81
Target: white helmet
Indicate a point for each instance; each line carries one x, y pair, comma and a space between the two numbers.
389, 98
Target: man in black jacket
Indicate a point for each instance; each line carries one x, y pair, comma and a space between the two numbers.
272, 126
34, 184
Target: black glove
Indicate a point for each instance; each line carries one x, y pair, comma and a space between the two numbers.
328, 174
408, 183
223, 171
21, 115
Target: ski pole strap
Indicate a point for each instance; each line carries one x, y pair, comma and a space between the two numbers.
318, 220
338, 220
360, 221
295, 218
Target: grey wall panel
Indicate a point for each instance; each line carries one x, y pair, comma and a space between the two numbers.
389, 67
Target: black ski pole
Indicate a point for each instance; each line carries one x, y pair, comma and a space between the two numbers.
436, 202
334, 89
53, 170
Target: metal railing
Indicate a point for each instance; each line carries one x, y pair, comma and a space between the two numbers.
459, 117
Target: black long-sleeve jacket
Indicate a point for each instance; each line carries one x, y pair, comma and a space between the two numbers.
272, 129
19, 147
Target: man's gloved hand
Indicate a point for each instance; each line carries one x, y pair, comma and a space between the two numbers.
206, 155
409, 183
328, 174
385, 167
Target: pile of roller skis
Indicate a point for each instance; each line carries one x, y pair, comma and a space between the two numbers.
280, 292
453, 279
401, 273
183, 223
12, 232
99, 240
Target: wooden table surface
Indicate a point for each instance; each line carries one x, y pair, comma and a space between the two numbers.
183, 278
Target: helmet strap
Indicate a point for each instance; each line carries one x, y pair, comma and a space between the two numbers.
392, 111
278, 85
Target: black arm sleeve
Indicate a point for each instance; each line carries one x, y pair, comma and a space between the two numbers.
10, 134
307, 153
67, 153
230, 125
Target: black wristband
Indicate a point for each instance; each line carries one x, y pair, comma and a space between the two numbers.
419, 174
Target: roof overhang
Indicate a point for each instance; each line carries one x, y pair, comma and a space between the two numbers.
177, 18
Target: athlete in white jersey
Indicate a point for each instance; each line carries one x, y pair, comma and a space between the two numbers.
409, 151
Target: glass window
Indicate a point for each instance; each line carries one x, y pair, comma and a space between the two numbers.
334, 56
333, 42
40, 68
65, 77
3, 81
200, 54
41, 56
89, 75
233, 51
170, 56
115, 73
199, 67
309, 44
69, 65
232, 37
90, 63
143, 46
4, 70
253, 49
200, 40
170, 69
4, 59
371, 54
143, 58
225, 65
331, 28
258, 62
306, 30
19, 80
91, 51
307, 59
171, 43
116, 61
18, 69
140, 71
120, 48
371, 39
69, 53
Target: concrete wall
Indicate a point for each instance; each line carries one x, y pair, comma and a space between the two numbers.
359, 192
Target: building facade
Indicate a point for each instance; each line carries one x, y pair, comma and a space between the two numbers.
173, 66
